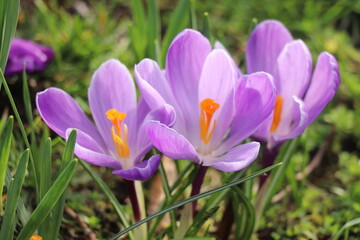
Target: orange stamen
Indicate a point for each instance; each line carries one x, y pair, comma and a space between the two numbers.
120, 138
207, 109
277, 113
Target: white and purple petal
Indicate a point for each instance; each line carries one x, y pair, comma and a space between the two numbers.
264, 46
142, 171
236, 159
60, 112
323, 86
111, 87
87, 149
170, 143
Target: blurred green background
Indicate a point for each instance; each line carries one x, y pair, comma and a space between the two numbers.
86, 33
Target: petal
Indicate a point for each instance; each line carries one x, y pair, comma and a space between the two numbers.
152, 84
236, 159
60, 112
165, 115
142, 171
111, 87
254, 102
185, 59
217, 82
294, 66
264, 46
88, 150
324, 84
218, 45
170, 143
293, 128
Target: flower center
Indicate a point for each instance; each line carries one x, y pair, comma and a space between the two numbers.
207, 109
119, 132
277, 113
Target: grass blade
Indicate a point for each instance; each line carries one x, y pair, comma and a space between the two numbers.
346, 226
5, 140
178, 21
21, 125
109, 194
45, 183
9, 13
154, 28
197, 197
272, 184
48, 202
59, 207
8, 224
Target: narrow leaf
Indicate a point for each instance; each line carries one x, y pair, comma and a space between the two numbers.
5, 140
58, 210
48, 202
8, 224
178, 22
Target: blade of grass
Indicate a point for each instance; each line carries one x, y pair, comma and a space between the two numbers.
274, 181
5, 140
48, 202
154, 28
22, 213
250, 223
193, 14
346, 226
22, 129
9, 14
58, 210
45, 184
196, 197
178, 21
8, 224
109, 194
168, 196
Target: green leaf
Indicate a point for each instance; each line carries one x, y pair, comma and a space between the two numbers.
5, 140
45, 184
21, 125
58, 210
178, 22
154, 28
109, 194
8, 224
48, 202
274, 181
9, 11
347, 225
194, 198
194, 228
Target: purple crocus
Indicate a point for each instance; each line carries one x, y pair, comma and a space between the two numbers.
203, 86
119, 138
33, 56
301, 94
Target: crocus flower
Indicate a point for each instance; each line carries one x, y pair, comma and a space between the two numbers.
204, 88
301, 94
33, 56
119, 139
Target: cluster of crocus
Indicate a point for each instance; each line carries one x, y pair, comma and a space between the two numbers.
200, 108
24, 53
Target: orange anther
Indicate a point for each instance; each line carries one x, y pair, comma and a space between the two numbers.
277, 113
207, 109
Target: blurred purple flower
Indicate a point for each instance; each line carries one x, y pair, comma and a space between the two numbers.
119, 139
300, 100
26, 53
203, 86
